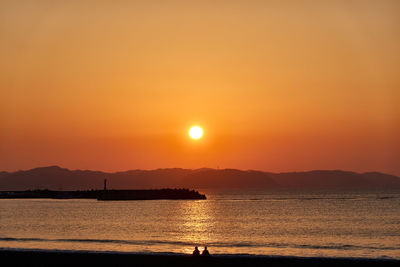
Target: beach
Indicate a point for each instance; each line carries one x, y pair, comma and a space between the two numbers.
11, 257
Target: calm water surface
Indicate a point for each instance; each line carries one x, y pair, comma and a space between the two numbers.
331, 224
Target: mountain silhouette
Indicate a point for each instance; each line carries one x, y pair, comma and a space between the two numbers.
57, 178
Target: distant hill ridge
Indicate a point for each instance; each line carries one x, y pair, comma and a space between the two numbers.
57, 178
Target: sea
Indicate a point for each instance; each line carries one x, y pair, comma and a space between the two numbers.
348, 224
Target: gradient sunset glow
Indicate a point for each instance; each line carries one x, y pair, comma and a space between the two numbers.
276, 85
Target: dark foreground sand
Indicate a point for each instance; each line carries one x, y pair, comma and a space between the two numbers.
46, 258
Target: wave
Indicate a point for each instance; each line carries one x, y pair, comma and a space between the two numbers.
213, 244
391, 197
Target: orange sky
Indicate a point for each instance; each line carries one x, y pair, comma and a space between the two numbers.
276, 85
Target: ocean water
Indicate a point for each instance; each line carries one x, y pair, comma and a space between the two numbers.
306, 224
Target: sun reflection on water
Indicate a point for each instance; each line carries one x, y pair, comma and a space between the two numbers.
197, 225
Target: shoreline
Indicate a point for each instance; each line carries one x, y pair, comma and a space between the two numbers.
41, 257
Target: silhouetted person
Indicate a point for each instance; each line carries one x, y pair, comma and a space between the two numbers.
205, 252
196, 252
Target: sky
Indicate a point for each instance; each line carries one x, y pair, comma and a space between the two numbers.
276, 85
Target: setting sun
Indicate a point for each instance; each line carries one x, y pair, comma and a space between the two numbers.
196, 132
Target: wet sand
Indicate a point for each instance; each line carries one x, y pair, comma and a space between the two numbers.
60, 258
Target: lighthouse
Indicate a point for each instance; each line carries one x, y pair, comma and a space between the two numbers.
105, 184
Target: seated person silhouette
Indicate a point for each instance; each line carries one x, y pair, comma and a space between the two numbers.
205, 252
196, 252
